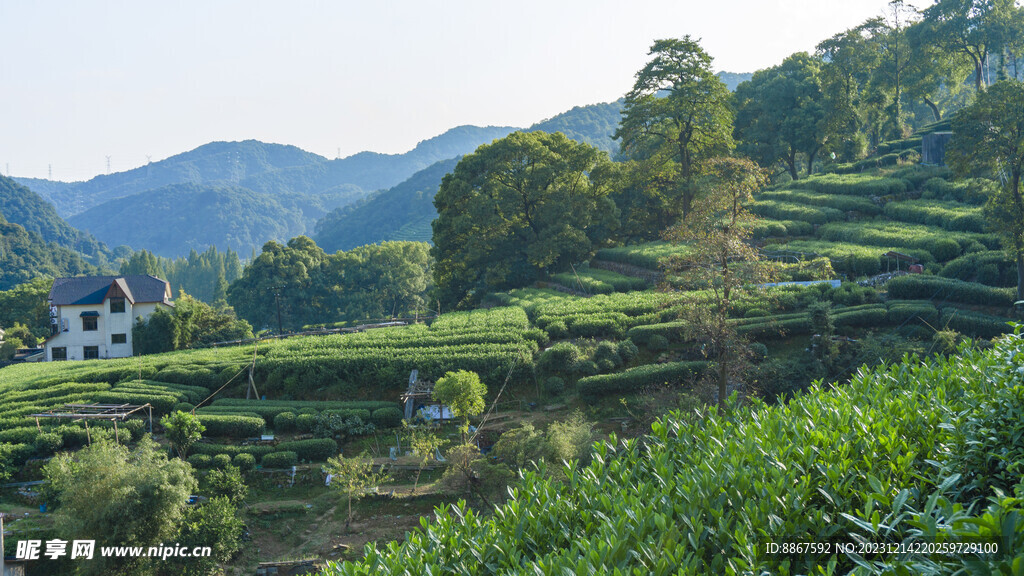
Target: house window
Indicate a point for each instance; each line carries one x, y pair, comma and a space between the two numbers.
116, 305
91, 352
118, 338
90, 323
59, 353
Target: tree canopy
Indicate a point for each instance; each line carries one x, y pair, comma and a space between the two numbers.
676, 116
988, 137
514, 209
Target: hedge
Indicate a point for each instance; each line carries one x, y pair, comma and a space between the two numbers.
787, 211
221, 461
280, 460
843, 203
200, 460
389, 417
162, 404
633, 379
314, 450
970, 191
920, 287
991, 267
975, 324
230, 449
232, 426
952, 216
670, 330
284, 422
912, 311
857, 185
244, 461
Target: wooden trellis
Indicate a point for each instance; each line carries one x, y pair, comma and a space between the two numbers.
86, 412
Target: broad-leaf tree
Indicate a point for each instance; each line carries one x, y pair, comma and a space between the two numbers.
988, 139
354, 478
282, 275
183, 429
783, 115
515, 209
676, 117
119, 497
463, 393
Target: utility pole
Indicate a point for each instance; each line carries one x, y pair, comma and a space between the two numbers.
108, 164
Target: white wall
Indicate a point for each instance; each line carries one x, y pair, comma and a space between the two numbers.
75, 339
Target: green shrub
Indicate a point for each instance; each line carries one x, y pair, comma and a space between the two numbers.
916, 312
856, 185
284, 422
786, 211
280, 460
920, 287
975, 324
608, 353
989, 267
244, 462
585, 367
657, 343
48, 443
628, 351
557, 330
759, 351
554, 386
560, 357
305, 422
231, 426
313, 450
182, 407
952, 216
993, 445
20, 435
970, 191
162, 404
200, 461
389, 417
231, 450
633, 379
221, 461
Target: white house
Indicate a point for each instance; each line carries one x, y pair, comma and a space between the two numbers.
92, 316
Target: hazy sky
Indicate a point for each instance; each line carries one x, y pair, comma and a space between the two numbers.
83, 80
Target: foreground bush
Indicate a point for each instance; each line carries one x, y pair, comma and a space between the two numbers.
875, 460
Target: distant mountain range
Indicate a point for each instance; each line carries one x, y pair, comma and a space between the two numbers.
239, 195
405, 211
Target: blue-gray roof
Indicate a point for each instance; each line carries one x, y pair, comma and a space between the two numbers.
94, 289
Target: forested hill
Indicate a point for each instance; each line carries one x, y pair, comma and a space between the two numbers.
214, 162
22, 206
404, 212
594, 124
25, 255
372, 170
173, 220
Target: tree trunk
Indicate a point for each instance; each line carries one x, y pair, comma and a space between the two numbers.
810, 161
978, 73
722, 378
348, 519
935, 109
1020, 275
791, 164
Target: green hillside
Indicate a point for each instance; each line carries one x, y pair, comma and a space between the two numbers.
25, 255
173, 220
226, 162
403, 212
20, 205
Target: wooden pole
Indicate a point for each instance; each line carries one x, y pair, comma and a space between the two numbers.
39, 429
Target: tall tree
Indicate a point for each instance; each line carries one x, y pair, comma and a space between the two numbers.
285, 276
721, 259
676, 117
516, 208
783, 114
382, 280
988, 139
971, 28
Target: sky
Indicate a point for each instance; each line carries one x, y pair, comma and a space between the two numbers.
141, 80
